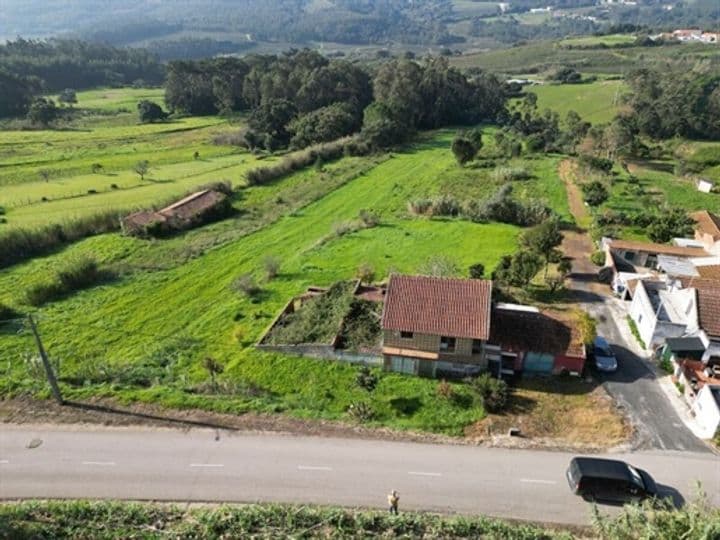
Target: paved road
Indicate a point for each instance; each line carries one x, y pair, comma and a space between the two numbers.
634, 386
204, 465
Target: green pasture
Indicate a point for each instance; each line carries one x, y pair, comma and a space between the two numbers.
591, 41
542, 56
118, 99
596, 102
171, 305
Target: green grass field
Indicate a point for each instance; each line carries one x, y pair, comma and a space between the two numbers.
545, 56
596, 102
106, 132
591, 41
172, 304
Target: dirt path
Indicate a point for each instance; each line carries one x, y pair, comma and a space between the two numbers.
577, 243
567, 170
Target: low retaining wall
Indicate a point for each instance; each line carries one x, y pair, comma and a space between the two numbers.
326, 352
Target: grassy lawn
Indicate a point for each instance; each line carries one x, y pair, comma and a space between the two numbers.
596, 102
173, 306
590, 41
568, 410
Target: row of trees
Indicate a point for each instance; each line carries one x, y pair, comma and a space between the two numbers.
668, 104
301, 98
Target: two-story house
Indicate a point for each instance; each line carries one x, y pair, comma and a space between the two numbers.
436, 327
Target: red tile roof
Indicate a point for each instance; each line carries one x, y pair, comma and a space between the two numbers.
548, 331
708, 299
708, 223
664, 249
710, 271
438, 306
193, 204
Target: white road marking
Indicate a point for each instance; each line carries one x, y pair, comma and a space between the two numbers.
536, 481
207, 465
100, 463
4, 462
311, 468
421, 473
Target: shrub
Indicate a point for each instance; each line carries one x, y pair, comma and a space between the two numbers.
369, 218
361, 411
595, 193
341, 228
96, 168
299, 160
114, 186
666, 365
493, 392
366, 379
41, 293
271, 265
506, 174
598, 258
600, 164
420, 207
79, 274
635, 331
445, 205
7, 313
477, 271
445, 390
246, 285
365, 273
439, 266
21, 244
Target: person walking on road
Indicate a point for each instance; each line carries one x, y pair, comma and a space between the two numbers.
393, 499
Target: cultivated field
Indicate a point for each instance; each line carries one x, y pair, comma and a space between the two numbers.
47, 175
144, 335
596, 102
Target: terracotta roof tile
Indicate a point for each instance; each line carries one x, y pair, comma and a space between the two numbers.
708, 299
649, 247
708, 223
438, 306
547, 331
194, 204
710, 271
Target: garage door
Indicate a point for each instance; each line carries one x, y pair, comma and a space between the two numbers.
400, 364
538, 363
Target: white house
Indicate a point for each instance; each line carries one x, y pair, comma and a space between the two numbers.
706, 410
661, 310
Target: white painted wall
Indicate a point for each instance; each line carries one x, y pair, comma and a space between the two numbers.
707, 412
642, 312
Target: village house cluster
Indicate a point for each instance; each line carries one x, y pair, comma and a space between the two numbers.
672, 294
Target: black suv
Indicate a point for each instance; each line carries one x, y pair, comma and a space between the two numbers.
609, 480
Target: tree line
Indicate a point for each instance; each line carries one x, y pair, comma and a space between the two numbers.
300, 97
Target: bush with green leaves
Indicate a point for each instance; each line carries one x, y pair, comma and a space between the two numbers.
493, 392
598, 258
595, 193
80, 273
366, 379
246, 284
271, 265
361, 411
477, 271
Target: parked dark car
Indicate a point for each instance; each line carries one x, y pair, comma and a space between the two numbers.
597, 479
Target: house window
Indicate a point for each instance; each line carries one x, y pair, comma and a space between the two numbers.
639, 318
477, 346
629, 255
406, 335
447, 344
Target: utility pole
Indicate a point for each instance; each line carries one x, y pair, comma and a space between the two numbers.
46, 364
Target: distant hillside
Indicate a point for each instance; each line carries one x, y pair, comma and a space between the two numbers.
193, 28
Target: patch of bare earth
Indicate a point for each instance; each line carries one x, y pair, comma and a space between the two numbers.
562, 413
